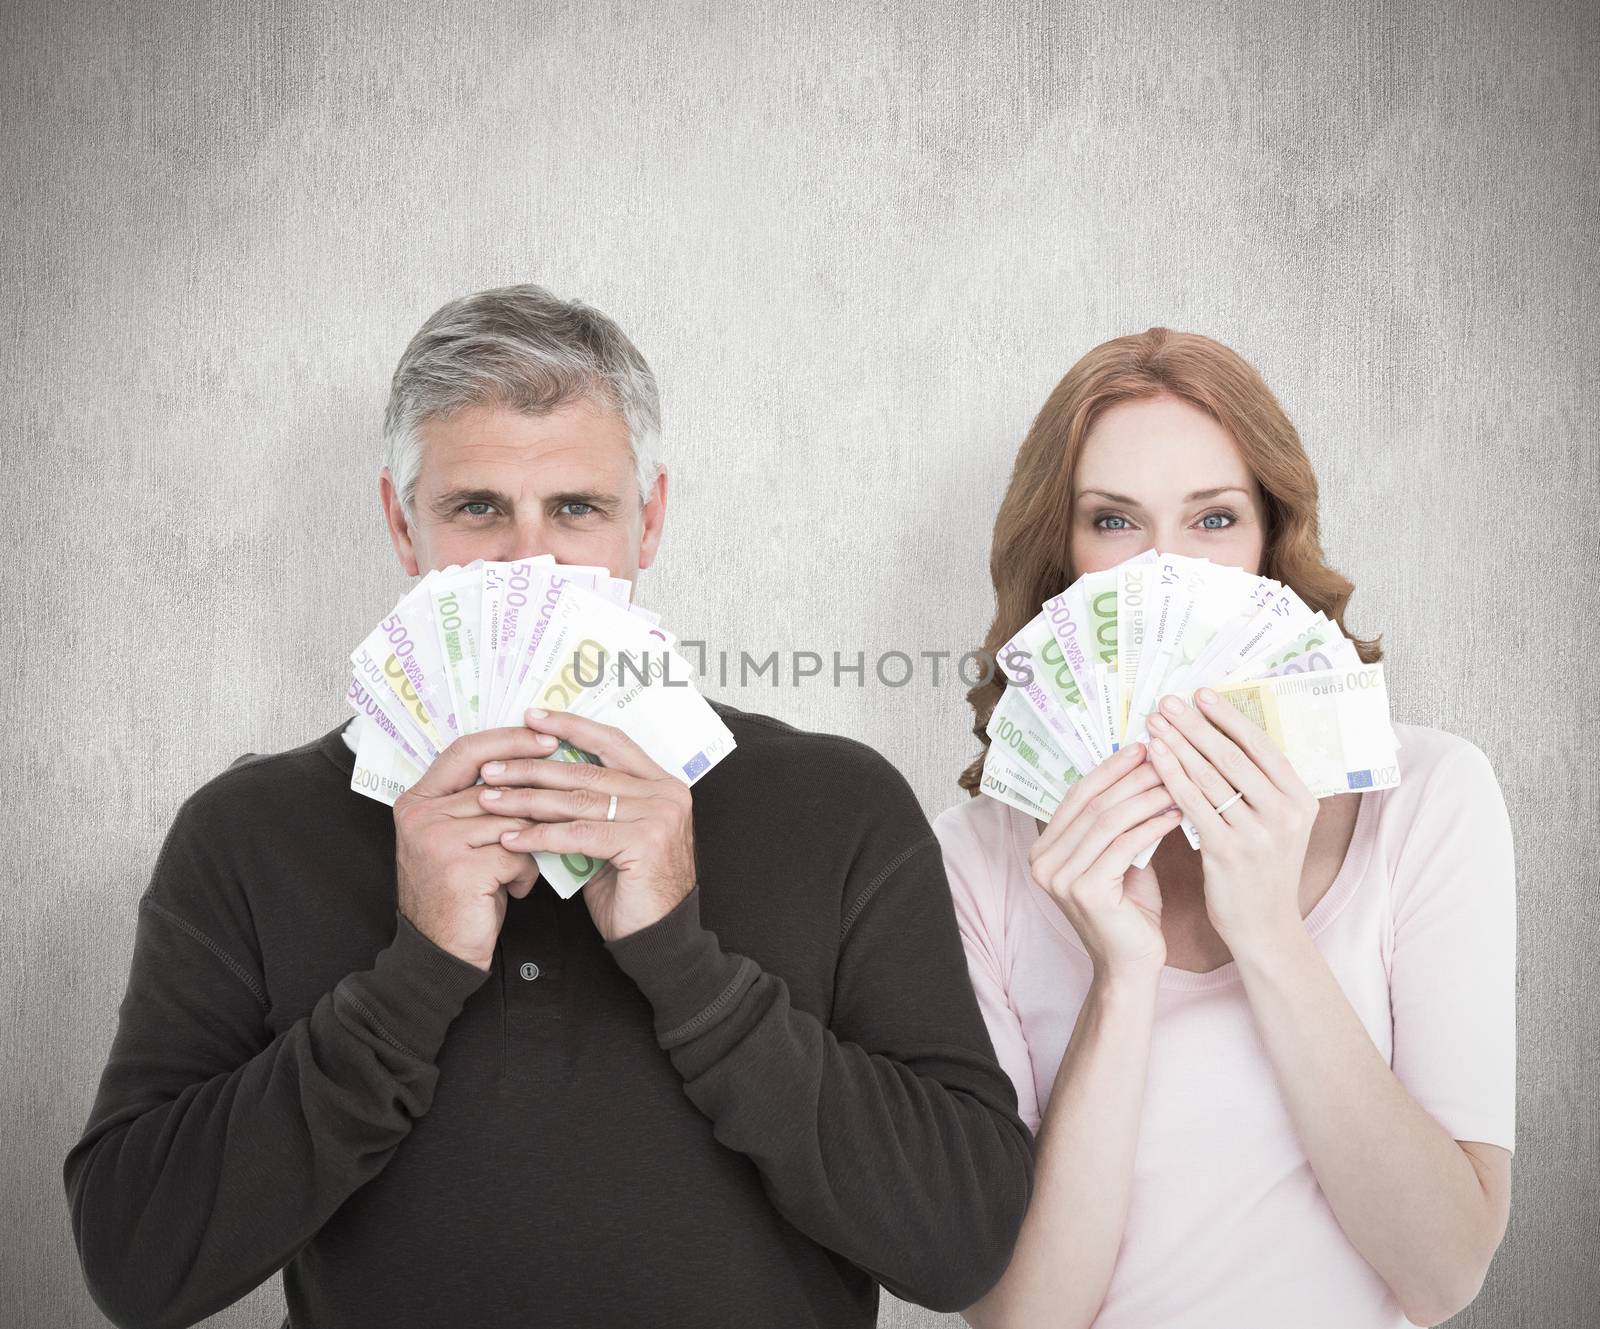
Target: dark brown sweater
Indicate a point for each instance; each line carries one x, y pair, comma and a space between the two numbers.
750, 1113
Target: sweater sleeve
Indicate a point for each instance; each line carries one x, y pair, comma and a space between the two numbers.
889, 1136
214, 1150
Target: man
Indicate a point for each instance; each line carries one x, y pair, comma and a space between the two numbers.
741, 1078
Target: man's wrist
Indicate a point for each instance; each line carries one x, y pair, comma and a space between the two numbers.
413, 991
683, 971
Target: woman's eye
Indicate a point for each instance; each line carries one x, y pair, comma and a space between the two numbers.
1110, 516
1228, 516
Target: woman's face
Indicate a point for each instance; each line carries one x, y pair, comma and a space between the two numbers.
1158, 473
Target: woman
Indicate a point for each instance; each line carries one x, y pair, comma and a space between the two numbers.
1271, 1079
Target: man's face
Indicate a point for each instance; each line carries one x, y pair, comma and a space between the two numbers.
499, 485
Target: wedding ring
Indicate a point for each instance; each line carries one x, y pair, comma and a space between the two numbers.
611, 809
1223, 807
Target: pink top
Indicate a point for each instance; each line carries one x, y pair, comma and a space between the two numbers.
1227, 1227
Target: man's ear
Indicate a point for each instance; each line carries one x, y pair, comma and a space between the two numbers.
655, 516
399, 528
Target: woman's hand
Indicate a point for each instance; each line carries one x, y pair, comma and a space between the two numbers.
1253, 853
1083, 860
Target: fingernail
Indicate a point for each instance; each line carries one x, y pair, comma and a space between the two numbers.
1206, 695
494, 768
1171, 705
1158, 747
1158, 722
489, 794
534, 713
508, 835
546, 740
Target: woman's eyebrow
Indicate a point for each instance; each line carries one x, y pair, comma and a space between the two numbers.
1195, 497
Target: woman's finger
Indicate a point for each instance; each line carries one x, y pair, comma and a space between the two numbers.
1185, 793
1116, 767
1103, 831
1213, 788
1118, 856
1251, 739
1219, 753
1066, 838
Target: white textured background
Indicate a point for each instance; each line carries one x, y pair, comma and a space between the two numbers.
859, 244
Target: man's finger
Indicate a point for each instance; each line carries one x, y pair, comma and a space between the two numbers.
557, 804
614, 748
482, 831
531, 773
457, 767
597, 839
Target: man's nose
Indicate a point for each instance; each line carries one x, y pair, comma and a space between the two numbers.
528, 542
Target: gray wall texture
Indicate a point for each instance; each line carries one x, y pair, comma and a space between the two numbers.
859, 244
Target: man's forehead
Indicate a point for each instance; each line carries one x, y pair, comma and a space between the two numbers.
518, 453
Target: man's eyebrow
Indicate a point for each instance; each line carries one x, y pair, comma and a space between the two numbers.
452, 499
1195, 497
593, 497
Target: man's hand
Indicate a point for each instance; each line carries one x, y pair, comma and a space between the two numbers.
649, 843
452, 874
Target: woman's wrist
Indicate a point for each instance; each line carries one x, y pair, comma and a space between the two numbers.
1131, 984
1267, 943
1261, 934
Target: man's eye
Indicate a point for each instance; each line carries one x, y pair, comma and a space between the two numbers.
478, 503
577, 509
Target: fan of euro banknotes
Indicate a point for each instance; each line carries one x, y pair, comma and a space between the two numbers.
1086, 671
473, 646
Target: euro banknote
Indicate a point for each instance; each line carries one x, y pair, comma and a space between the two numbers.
472, 647
1084, 674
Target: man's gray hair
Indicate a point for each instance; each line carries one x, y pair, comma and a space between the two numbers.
521, 348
